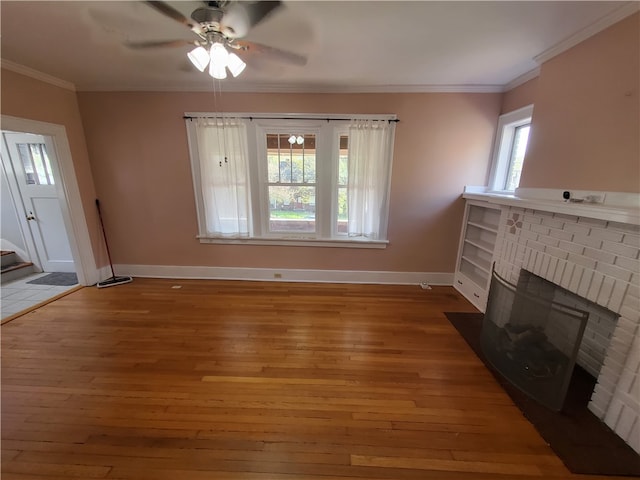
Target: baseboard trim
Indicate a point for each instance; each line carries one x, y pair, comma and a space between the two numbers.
104, 273
285, 275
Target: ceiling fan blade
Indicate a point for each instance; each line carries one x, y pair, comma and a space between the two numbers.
173, 14
272, 52
159, 44
258, 11
240, 17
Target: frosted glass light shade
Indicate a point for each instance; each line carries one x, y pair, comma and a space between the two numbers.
217, 70
219, 54
292, 139
235, 64
199, 57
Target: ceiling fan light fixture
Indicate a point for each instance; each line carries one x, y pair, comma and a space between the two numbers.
300, 140
217, 25
235, 64
199, 57
292, 139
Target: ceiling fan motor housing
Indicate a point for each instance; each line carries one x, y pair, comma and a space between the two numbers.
208, 16
232, 22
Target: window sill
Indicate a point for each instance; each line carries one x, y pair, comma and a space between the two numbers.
298, 242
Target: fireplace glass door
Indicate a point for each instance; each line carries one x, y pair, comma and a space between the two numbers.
531, 339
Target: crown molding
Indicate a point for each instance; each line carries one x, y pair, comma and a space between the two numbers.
37, 75
615, 16
524, 78
291, 88
284, 88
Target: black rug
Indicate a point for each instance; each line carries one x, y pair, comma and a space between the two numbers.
60, 279
584, 443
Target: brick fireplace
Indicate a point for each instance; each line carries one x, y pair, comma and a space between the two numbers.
598, 260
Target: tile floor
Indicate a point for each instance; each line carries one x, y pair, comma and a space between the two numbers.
18, 295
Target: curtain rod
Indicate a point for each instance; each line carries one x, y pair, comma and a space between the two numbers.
328, 119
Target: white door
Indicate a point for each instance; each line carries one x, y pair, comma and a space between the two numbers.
36, 169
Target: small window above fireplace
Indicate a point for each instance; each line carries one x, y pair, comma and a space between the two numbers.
509, 150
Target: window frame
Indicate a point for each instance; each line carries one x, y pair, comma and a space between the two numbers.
335, 151
327, 139
508, 123
261, 223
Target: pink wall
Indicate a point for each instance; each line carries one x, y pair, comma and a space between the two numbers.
25, 97
586, 119
139, 156
520, 96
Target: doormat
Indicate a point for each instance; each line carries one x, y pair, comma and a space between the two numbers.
61, 279
585, 444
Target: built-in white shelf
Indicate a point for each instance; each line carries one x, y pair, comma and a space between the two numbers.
475, 252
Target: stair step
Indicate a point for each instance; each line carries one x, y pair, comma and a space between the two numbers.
16, 266
8, 258
16, 270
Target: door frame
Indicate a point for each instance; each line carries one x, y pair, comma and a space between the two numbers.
31, 234
68, 191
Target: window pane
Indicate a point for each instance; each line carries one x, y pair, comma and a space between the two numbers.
47, 165
520, 139
309, 168
343, 177
25, 157
292, 209
273, 158
37, 167
297, 167
291, 158
343, 160
342, 210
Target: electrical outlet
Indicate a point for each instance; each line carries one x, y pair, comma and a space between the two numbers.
277, 275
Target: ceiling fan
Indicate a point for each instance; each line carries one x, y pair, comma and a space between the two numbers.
220, 26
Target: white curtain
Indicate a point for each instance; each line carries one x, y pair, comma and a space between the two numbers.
224, 174
370, 155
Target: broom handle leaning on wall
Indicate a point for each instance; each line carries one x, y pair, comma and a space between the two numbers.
104, 234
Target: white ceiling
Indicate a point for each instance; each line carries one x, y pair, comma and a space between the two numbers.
351, 45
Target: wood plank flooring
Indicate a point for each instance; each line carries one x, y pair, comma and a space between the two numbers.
256, 381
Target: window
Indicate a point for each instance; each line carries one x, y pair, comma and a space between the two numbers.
293, 179
291, 182
509, 149
37, 167
343, 176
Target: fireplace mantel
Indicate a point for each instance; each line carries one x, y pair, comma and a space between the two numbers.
616, 207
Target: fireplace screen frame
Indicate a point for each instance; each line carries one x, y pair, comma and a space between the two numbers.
517, 339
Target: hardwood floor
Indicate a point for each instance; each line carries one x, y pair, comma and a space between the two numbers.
250, 380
